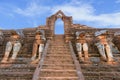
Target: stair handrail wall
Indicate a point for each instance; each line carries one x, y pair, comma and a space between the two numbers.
39, 67
77, 65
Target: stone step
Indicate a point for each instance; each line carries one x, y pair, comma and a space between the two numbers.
61, 58
57, 49
58, 42
105, 69
98, 55
54, 45
18, 70
101, 78
58, 78
15, 76
16, 62
58, 73
58, 38
58, 62
110, 78
19, 61
16, 73
58, 57
93, 78
101, 74
51, 70
19, 55
109, 69
59, 46
53, 52
19, 66
59, 54
25, 77
58, 67
100, 65
91, 73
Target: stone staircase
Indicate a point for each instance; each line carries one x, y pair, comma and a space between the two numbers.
58, 63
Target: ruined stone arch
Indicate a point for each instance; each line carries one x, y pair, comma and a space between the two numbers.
50, 23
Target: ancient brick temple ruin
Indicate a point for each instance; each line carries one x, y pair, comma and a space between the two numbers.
60, 60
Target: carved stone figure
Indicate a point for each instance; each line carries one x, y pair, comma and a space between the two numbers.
82, 46
13, 44
103, 46
38, 45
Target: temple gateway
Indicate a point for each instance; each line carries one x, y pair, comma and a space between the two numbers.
81, 53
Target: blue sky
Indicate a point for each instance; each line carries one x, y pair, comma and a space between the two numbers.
15, 14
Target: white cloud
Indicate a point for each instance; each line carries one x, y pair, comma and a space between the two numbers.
107, 19
78, 12
86, 12
33, 9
